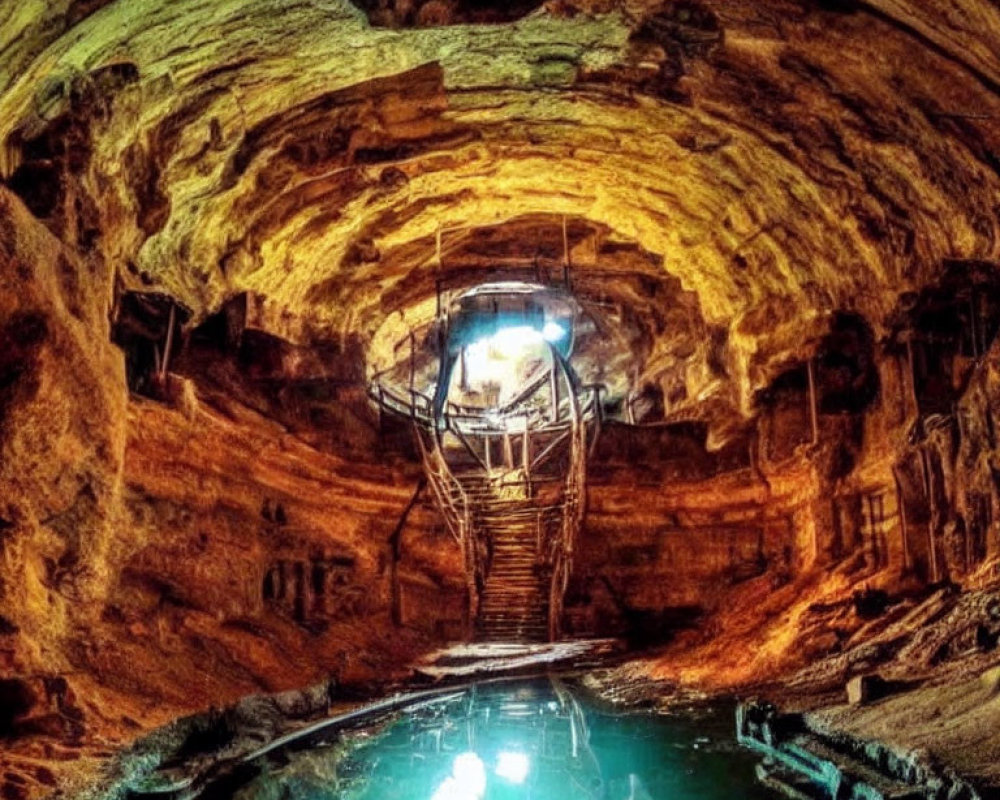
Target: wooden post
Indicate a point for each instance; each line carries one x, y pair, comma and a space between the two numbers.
508, 450
598, 414
933, 552
565, 238
526, 450
413, 362
929, 490
170, 340
872, 529
381, 411
904, 532
396, 553
813, 416
554, 390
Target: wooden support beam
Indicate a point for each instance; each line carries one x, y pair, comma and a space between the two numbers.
904, 531
171, 319
526, 451
413, 359
931, 502
396, 548
598, 414
872, 529
540, 458
566, 259
813, 414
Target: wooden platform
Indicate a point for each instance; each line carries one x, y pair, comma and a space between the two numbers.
495, 659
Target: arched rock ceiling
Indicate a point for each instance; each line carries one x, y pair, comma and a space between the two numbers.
779, 159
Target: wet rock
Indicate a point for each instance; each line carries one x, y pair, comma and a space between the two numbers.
793, 254
307, 702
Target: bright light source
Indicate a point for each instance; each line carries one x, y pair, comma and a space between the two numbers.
501, 357
512, 767
506, 343
553, 332
466, 782
513, 340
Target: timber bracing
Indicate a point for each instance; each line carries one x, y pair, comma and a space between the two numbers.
511, 486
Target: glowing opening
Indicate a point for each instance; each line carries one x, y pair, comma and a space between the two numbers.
466, 782
504, 360
553, 332
511, 342
512, 766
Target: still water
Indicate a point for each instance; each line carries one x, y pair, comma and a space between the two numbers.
530, 740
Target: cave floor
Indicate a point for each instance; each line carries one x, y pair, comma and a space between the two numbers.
954, 719
491, 659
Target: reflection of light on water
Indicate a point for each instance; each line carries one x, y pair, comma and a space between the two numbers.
512, 767
466, 782
517, 741
636, 791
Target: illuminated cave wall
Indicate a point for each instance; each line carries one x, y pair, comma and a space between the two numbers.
754, 193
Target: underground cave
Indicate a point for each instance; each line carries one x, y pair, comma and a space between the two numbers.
456, 398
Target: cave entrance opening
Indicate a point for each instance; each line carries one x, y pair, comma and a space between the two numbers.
503, 427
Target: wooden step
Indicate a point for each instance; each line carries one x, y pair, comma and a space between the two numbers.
514, 603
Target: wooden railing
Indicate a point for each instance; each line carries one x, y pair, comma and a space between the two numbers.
454, 505
546, 484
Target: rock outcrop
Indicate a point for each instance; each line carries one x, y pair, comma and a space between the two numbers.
219, 219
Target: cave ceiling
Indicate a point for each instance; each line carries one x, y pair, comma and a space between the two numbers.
730, 174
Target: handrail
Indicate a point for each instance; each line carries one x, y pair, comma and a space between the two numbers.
446, 487
482, 496
478, 421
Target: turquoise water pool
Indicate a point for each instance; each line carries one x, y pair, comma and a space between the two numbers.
537, 740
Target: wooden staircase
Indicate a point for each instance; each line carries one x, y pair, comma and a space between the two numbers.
511, 490
514, 603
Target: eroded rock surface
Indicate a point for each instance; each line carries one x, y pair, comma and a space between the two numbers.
217, 219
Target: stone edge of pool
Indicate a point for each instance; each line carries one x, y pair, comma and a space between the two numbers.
801, 757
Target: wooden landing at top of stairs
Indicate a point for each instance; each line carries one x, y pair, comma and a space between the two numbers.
495, 659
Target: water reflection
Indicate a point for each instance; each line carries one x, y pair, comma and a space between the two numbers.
538, 740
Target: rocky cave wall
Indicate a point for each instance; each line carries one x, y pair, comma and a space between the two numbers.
159, 558
791, 207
